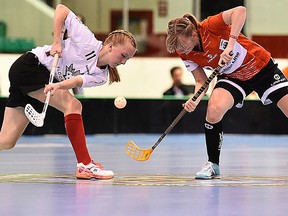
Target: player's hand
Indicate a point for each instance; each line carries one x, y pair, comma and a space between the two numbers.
190, 105
225, 57
56, 48
53, 87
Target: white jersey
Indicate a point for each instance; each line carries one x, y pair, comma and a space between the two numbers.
80, 53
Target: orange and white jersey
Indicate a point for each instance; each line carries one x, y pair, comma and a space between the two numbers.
248, 59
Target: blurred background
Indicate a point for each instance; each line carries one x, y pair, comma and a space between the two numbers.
25, 24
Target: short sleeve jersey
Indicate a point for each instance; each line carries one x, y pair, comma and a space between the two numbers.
248, 59
80, 52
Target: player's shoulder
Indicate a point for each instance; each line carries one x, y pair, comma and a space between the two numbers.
214, 23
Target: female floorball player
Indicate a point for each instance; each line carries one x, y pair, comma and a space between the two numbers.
84, 62
208, 44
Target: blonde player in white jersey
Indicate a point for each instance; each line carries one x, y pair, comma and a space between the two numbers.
84, 62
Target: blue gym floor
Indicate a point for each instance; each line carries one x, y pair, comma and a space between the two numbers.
37, 177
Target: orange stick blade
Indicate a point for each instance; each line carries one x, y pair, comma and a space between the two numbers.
137, 153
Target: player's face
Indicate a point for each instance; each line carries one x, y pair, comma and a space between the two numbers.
121, 53
186, 44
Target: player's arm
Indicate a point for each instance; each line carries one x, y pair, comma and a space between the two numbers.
234, 17
200, 78
60, 15
73, 82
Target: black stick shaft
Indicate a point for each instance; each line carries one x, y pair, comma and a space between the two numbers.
183, 112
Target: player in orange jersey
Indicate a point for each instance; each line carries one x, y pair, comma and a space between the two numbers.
208, 44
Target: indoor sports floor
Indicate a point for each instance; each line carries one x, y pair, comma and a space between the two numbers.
37, 177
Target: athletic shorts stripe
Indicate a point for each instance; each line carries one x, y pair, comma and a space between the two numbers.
270, 84
264, 99
240, 104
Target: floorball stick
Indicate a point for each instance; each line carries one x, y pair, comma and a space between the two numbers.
140, 154
34, 117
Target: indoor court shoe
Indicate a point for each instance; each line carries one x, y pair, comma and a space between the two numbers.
209, 171
93, 170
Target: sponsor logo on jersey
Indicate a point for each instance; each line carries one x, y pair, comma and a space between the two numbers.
211, 57
223, 44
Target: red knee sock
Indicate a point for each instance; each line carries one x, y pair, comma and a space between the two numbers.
76, 134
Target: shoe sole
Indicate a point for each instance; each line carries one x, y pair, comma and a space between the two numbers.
209, 178
88, 175
94, 177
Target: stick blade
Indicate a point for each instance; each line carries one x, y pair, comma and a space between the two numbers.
137, 153
34, 117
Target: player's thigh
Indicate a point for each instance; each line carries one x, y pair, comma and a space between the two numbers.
39, 95
13, 126
219, 103
64, 101
283, 105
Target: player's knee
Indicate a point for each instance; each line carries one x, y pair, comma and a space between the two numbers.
74, 106
7, 145
283, 105
214, 113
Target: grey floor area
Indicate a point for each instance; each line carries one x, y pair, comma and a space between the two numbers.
37, 177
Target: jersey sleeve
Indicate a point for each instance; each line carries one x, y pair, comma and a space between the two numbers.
77, 31
216, 23
190, 65
93, 80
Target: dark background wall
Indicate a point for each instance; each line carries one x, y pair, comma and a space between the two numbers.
154, 116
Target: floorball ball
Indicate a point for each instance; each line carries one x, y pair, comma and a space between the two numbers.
120, 102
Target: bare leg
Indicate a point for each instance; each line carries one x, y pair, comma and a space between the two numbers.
15, 121
13, 126
283, 105
62, 100
219, 103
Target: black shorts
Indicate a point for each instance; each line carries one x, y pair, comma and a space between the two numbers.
26, 74
270, 84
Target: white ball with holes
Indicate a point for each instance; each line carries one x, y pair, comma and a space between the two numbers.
120, 102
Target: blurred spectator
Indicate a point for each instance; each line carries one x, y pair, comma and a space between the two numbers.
178, 89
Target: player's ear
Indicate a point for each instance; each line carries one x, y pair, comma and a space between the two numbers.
110, 46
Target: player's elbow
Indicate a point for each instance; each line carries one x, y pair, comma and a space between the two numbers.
241, 10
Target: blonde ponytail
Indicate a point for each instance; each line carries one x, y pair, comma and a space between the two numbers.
114, 75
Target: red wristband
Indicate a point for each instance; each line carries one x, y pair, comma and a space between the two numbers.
234, 37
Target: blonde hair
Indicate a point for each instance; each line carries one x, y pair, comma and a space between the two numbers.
185, 26
118, 37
